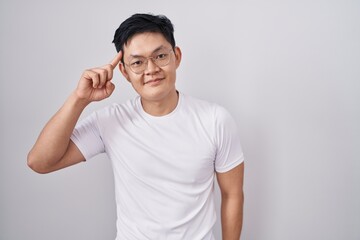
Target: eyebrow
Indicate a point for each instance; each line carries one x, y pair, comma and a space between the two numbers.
156, 49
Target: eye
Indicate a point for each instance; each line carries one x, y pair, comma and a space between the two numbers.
136, 63
161, 56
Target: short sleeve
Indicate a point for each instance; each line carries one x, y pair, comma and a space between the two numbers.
229, 152
87, 138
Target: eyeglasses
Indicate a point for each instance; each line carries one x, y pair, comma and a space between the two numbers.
139, 64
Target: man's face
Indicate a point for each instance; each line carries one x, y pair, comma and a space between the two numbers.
155, 83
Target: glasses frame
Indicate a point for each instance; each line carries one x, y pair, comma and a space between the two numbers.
153, 60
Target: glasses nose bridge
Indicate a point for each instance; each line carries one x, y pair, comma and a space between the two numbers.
153, 60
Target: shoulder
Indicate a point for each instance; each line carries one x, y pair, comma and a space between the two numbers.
198, 104
205, 107
116, 108
115, 112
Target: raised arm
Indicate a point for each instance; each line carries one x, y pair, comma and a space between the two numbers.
232, 200
53, 149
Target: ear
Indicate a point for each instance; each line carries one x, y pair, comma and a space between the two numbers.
124, 71
178, 55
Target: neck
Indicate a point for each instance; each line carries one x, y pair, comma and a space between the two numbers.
161, 107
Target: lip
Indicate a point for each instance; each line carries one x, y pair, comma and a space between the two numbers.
153, 81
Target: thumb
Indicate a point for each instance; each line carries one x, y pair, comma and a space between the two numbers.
109, 88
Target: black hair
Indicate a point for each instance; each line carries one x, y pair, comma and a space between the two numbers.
142, 23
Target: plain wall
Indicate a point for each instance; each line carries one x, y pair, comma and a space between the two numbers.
288, 71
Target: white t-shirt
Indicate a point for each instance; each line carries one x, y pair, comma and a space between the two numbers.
164, 167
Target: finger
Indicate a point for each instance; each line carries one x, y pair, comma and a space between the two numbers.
109, 69
116, 60
93, 77
103, 76
109, 88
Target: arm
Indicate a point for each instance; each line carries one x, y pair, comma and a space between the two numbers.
53, 149
232, 200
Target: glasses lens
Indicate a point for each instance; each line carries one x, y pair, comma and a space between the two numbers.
162, 59
139, 64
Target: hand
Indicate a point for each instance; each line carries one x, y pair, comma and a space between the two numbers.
95, 83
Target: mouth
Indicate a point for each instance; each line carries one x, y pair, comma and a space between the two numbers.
153, 81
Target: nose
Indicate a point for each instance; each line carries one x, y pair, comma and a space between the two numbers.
151, 67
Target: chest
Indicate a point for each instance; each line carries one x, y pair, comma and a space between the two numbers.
180, 151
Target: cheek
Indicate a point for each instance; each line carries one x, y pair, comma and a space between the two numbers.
170, 69
171, 73
136, 79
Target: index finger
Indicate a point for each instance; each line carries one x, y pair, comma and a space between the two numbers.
116, 60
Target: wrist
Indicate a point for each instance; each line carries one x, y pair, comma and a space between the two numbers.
77, 101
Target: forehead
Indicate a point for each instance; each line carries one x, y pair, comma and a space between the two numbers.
145, 43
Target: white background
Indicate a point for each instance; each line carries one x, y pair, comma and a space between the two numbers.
288, 71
